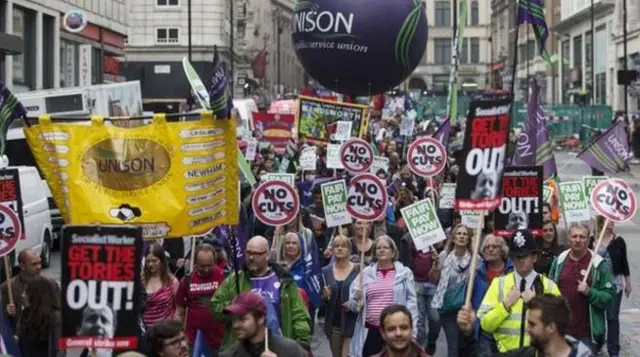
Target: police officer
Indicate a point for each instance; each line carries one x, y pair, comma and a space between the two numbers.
502, 311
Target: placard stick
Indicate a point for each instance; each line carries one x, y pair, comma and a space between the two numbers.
433, 199
191, 264
595, 250
364, 237
474, 259
266, 339
7, 274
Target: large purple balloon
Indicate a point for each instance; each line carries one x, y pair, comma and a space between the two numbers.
359, 47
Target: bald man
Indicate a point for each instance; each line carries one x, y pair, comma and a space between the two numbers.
30, 266
286, 310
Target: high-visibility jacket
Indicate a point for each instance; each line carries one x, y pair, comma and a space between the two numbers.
508, 327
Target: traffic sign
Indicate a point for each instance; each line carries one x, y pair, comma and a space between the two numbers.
426, 156
10, 230
275, 203
367, 198
356, 156
614, 199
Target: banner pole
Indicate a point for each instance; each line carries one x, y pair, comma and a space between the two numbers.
7, 273
474, 259
595, 251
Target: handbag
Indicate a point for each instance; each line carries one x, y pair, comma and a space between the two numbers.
453, 298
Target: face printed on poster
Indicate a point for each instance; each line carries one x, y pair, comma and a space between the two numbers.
101, 287
521, 203
484, 152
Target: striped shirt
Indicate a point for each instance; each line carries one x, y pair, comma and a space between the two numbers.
379, 295
161, 305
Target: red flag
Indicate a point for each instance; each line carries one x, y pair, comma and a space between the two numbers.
259, 64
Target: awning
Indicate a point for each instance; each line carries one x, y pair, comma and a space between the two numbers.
10, 44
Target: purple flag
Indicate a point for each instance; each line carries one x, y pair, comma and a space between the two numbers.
443, 133
534, 147
610, 152
223, 232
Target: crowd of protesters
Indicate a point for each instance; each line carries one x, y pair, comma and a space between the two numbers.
529, 291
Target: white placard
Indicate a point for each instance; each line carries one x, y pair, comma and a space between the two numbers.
252, 146
380, 162
447, 195
343, 131
333, 156
308, 159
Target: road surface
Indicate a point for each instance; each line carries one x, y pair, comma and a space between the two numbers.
570, 169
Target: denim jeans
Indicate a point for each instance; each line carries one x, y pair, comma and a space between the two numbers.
613, 326
425, 292
452, 333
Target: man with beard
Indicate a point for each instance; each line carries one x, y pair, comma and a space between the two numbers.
287, 313
248, 318
548, 320
396, 328
166, 339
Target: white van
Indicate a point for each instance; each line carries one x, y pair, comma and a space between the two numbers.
37, 217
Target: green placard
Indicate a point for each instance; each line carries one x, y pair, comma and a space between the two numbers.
547, 193
573, 201
334, 201
423, 224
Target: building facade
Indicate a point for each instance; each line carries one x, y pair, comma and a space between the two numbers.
51, 56
433, 73
578, 74
159, 40
633, 54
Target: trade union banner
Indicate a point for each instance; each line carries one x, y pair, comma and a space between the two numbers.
172, 179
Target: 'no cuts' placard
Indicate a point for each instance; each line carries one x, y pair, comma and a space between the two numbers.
275, 203
614, 199
356, 156
367, 198
427, 157
10, 230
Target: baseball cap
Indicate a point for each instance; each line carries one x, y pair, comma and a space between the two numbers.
522, 243
246, 303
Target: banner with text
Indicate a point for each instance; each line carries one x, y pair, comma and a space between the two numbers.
101, 287
334, 199
423, 223
273, 128
318, 119
521, 204
484, 153
573, 202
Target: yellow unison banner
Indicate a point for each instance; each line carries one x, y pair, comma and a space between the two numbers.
173, 179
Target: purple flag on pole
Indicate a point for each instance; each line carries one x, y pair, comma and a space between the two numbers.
610, 152
443, 133
223, 232
534, 147
532, 12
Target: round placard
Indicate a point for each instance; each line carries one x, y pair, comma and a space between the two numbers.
275, 203
427, 157
614, 199
367, 198
356, 156
10, 229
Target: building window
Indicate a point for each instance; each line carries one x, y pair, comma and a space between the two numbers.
475, 14
167, 35
566, 49
443, 13
68, 60
577, 59
588, 69
443, 50
522, 53
19, 62
168, 2
475, 50
531, 50
464, 51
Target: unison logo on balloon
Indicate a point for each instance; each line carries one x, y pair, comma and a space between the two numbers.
359, 47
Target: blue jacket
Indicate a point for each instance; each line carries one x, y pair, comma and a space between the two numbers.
305, 272
481, 285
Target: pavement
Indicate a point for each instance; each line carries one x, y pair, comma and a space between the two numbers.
569, 169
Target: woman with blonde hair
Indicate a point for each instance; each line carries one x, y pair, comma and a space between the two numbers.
451, 272
294, 254
338, 277
381, 284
